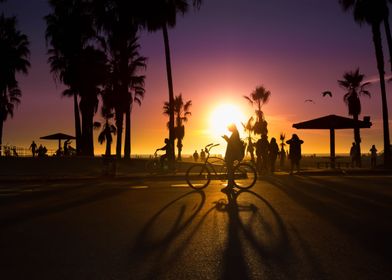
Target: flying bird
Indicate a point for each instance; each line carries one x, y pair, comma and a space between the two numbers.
327, 93
309, 100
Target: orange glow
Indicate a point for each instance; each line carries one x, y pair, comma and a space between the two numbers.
222, 116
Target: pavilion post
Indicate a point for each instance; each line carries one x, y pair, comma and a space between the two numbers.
332, 146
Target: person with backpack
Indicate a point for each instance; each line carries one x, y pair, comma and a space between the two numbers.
234, 151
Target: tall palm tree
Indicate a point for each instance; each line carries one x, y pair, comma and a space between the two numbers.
373, 13
258, 98
161, 15
14, 53
353, 84
118, 21
68, 32
181, 110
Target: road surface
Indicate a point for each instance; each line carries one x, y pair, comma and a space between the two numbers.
285, 227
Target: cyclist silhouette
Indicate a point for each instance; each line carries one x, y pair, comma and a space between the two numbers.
167, 150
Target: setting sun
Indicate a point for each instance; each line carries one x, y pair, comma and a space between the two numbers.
224, 115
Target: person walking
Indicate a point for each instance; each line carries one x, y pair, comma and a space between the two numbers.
353, 154
295, 152
33, 148
373, 156
273, 153
196, 156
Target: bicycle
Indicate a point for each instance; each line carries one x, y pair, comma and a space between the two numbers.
153, 165
198, 176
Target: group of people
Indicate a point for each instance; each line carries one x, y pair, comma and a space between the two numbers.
202, 155
267, 153
39, 152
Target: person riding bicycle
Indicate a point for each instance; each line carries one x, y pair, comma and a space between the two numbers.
233, 153
167, 149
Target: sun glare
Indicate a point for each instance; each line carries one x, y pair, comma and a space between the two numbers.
224, 115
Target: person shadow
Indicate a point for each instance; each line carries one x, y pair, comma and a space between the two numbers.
258, 244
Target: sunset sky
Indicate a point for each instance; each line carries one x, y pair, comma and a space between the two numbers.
296, 49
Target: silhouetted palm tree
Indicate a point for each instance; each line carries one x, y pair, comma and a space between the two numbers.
181, 111
373, 13
259, 97
14, 52
69, 30
249, 128
353, 84
108, 129
119, 21
161, 15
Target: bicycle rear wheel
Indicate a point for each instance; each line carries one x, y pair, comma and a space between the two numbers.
198, 176
152, 166
245, 175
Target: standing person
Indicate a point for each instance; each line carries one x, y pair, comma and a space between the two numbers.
202, 155
251, 150
33, 148
295, 152
264, 152
353, 154
233, 153
273, 154
195, 156
66, 146
373, 156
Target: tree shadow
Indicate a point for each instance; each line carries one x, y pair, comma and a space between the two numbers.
153, 256
56, 202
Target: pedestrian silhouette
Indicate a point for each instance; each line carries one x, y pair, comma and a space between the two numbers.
353, 154
195, 156
373, 156
33, 148
295, 152
262, 150
233, 152
273, 153
202, 155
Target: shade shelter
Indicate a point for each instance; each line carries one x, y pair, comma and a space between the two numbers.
59, 137
332, 122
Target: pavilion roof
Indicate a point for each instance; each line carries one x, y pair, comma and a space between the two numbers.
332, 122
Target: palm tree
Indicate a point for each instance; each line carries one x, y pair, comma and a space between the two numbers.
181, 110
373, 13
118, 21
249, 128
68, 31
161, 15
14, 53
259, 97
108, 129
353, 84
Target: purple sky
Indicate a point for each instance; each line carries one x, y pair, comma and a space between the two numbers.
296, 49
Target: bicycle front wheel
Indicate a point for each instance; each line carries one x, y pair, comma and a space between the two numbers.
245, 176
198, 176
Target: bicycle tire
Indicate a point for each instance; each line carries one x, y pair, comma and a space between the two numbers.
198, 176
245, 176
152, 166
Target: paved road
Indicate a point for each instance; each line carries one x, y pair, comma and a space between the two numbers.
286, 227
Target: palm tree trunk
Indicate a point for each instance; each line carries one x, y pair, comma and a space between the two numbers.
380, 65
78, 132
87, 131
108, 148
119, 124
389, 38
127, 140
179, 148
357, 139
171, 91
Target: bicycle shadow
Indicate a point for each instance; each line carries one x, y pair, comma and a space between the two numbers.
258, 244
153, 253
